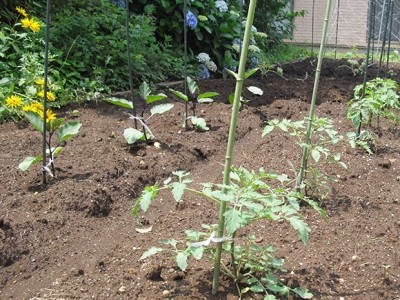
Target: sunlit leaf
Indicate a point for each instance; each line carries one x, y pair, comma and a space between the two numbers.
68, 130
154, 98
267, 129
161, 108
120, 102
180, 95
181, 260
35, 120
303, 293
28, 161
207, 95
233, 220
56, 123
150, 252
147, 196
178, 189
144, 90
192, 86
316, 155
197, 252
132, 135
255, 90
301, 227
200, 124
205, 100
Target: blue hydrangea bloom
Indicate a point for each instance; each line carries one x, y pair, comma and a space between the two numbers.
120, 3
203, 72
191, 20
221, 5
254, 61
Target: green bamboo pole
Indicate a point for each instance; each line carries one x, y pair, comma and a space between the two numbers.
231, 138
303, 166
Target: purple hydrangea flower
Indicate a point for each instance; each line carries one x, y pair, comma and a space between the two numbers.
191, 20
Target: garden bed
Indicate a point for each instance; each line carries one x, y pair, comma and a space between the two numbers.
76, 239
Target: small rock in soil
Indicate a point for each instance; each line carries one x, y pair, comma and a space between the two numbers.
385, 163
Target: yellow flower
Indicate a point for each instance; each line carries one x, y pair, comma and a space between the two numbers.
21, 11
31, 23
34, 107
40, 81
50, 95
50, 115
13, 101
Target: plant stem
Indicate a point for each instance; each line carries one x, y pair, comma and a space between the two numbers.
303, 167
231, 139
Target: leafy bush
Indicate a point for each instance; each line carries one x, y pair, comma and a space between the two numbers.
91, 43
21, 68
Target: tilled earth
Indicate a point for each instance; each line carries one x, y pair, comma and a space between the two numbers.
74, 238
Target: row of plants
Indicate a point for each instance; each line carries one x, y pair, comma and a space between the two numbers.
245, 196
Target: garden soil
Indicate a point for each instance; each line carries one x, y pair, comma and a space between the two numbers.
75, 238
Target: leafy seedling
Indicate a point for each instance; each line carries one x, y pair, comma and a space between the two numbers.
134, 135
56, 127
193, 98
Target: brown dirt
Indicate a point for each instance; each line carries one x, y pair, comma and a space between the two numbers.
74, 238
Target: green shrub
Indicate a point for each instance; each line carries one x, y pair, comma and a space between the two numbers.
90, 42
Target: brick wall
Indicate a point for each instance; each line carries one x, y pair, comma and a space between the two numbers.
353, 20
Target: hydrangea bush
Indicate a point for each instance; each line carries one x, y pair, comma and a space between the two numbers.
214, 28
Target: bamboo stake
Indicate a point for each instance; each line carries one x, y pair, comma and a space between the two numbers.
303, 167
231, 138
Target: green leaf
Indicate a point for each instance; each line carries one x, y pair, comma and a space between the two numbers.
250, 73
233, 74
56, 123
181, 260
161, 108
68, 130
197, 252
150, 252
147, 196
178, 189
301, 227
28, 161
255, 90
132, 135
267, 129
303, 293
5, 81
200, 124
207, 95
144, 90
180, 95
316, 155
192, 86
258, 288
233, 220
269, 297
154, 98
205, 100
120, 102
35, 120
